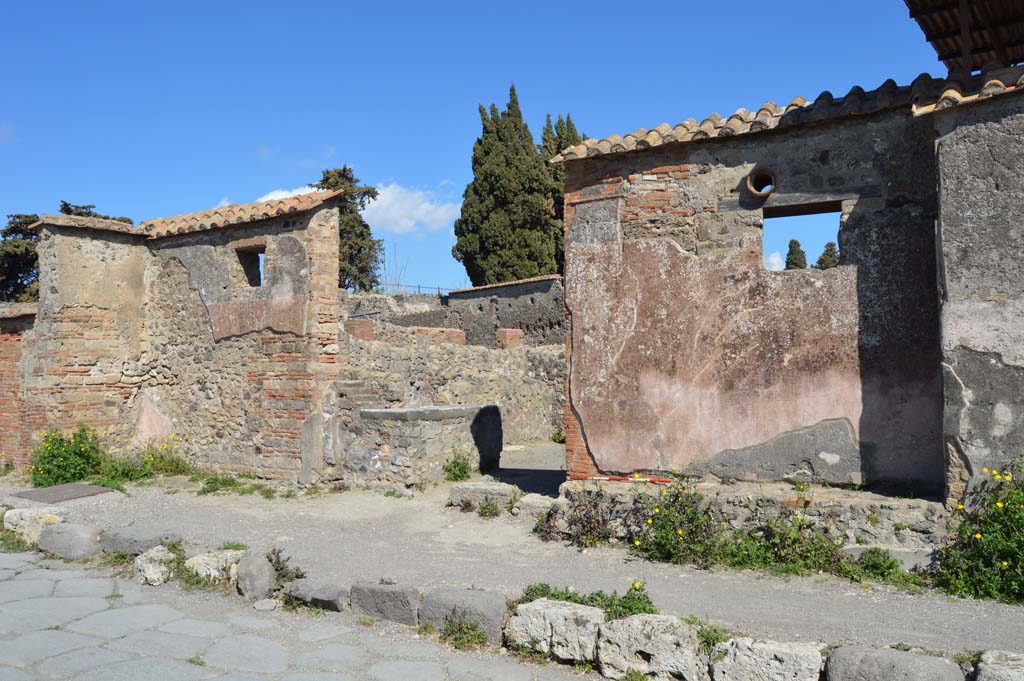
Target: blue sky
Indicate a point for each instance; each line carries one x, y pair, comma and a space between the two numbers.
152, 109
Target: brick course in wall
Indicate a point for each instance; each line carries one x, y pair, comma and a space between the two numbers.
508, 338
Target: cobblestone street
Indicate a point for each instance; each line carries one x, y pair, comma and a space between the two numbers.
65, 621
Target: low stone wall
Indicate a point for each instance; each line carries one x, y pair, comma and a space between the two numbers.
864, 519
406, 369
409, 446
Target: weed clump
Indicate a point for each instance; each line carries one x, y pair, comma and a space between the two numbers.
457, 468
635, 601
462, 633
284, 572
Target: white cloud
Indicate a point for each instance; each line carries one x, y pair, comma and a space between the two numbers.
6, 132
398, 210
774, 262
285, 193
224, 202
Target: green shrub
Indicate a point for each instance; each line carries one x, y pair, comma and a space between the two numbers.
58, 459
11, 542
985, 556
878, 564
283, 571
634, 675
635, 601
558, 436
489, 509
679, 528
457, 468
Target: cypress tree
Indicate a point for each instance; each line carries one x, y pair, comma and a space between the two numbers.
796, 259
359, 254
829, 257
507, 228
556, 138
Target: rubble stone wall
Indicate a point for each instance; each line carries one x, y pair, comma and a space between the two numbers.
686, 351
404, 368
981, 185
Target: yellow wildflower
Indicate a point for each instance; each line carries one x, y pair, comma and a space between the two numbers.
650, 521
798, 516
984, 470
999, 504
679, 532
636, 542
977, 535
997, 476
959, 507
638, 585
657, 510
1005, 564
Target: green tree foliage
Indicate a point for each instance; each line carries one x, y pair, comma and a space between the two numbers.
829, 257
18, 260
359, 254
508, 226
796, 259
553, 139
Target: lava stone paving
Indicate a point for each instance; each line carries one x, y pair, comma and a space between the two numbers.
72, 621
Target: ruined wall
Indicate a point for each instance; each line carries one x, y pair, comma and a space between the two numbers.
15, 320
526, 383
239, 370
88, 327
981, 183
535, 306
686, 352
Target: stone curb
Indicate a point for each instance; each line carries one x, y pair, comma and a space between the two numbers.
659, 646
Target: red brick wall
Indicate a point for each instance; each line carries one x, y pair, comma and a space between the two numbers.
439, 336
509, 338
13, 433
361, 329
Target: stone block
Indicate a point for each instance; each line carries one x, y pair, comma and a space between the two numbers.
661, 646
743, 659
318, 593
133, 541
387, 601
70, 541
857, 663
154, 566
215, 566
998, 665
485, 608
28, 523
531, 505
566, 630
477, 493
255, 576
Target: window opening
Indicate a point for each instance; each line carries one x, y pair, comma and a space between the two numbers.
801, 237
252, 261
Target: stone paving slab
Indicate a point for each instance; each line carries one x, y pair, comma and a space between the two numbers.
59, 493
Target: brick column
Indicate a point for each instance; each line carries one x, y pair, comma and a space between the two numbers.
509, 338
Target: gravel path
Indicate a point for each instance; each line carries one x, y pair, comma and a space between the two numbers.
357, 536
60, 622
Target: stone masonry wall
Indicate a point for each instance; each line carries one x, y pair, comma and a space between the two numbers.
15, 320
686, 351
535, 306
526, 383
981, 184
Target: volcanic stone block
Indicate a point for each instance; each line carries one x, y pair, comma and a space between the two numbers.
387, 601
484, 608
856, 663
70, 541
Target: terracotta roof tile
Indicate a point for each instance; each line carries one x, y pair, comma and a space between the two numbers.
214, 218
924, 95
234, 214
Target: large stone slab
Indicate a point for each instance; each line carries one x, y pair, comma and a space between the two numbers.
478, 492
661, 646
999, 665
70, 541
248, 653
215, 566
123, 621
566, 630
486, 609
133, 541
387, 601
32, 647
66, 492
318, 593
857, 663
744, 659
